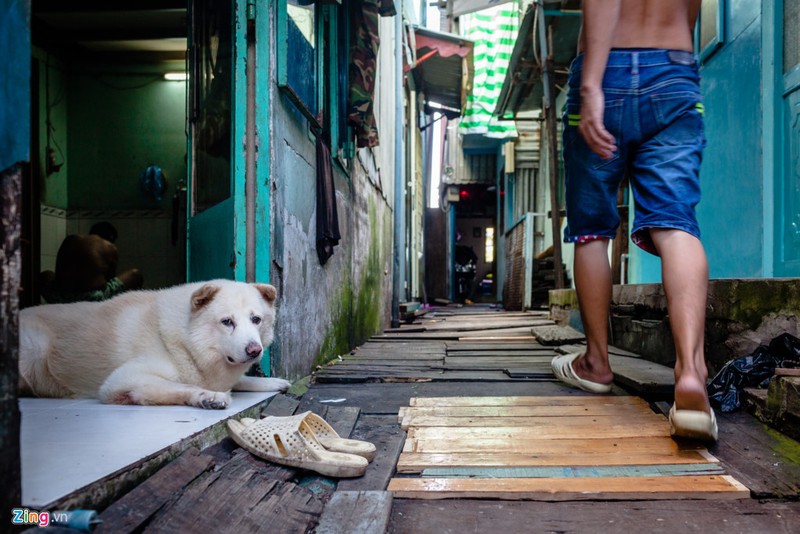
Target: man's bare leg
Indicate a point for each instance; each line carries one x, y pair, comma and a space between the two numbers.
684, 272
592, 274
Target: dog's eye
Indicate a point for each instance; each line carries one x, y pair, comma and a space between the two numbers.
256, 319
227, 322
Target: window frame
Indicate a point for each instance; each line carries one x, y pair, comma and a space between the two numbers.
704, 52
332, 57
283, 67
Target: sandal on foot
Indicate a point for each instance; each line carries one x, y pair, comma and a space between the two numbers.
693, 424
329, 439
291, 441
562, 368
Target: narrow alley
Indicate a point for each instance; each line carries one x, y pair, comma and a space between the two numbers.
474, 434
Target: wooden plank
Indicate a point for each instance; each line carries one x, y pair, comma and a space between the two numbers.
417, 462
238, 498
528, 400
663, 445
349, 376
561, 489
356, 512
649, 379
520, 337
672, 516
557, 335
651, 429
620, 410
763, 459
281, 405
528, 372
542, 361
482, 346
342, 419
495, 352
383, 432
654, 470
380, 398
133, 510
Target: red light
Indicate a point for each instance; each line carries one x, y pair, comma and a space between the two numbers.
464, 193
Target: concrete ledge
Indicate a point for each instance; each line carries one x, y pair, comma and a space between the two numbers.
741, 315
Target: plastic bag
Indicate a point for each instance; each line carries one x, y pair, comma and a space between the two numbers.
753, 370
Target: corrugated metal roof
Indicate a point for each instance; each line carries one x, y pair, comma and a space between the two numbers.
522, 87
444, 69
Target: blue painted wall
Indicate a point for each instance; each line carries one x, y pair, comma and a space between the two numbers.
15, 79
731, 210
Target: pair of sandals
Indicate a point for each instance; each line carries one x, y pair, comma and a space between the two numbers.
692, 424
305, 441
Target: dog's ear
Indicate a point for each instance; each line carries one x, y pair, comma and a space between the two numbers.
267, 291
203, 296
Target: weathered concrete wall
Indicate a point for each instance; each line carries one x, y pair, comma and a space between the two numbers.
325, 310
740, 316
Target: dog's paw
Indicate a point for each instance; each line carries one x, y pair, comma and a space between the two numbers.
211, 400
277, 384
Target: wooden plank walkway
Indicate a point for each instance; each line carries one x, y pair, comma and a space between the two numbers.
609, 441
420, 398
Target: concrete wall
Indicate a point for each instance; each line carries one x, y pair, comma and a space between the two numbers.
324, 310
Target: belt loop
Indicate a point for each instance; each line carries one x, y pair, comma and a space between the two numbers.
635, 63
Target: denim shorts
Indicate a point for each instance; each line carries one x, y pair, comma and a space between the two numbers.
654, 110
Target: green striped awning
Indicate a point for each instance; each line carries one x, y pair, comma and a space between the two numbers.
494, 32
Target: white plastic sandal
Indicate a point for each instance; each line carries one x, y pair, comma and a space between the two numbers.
329, 439
291, 441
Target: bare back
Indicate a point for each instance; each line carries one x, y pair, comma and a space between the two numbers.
664, 24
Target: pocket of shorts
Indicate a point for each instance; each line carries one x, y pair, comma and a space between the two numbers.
576, 145
680, 118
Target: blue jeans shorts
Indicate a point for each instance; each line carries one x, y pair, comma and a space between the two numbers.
654, 110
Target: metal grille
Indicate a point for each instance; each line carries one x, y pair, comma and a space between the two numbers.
513, 287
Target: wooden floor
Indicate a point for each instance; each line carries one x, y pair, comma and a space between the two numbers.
463, 408
551, 448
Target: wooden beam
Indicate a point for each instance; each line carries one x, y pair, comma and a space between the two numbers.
570, 489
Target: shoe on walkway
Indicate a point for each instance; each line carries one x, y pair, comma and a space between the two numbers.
291, 441
562, 368
329, 439
693, 424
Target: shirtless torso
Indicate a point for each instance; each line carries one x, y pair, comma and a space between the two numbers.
653, 24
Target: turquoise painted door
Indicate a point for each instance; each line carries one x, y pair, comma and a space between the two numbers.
212, 233
788, 186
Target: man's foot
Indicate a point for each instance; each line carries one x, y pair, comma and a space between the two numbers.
564, 370
589, 369
691, 393
691, 415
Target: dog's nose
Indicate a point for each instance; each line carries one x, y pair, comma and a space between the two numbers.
253, 350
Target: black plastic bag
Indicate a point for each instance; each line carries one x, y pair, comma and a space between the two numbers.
754, 370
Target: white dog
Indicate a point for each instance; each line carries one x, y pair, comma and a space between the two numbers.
189, 344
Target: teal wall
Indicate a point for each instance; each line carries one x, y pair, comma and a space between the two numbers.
731, 210
15, 73
119, 121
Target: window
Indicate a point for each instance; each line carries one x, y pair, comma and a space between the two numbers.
298, 58
709, 33
313, 56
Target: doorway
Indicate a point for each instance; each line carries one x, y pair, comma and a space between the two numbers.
109, 131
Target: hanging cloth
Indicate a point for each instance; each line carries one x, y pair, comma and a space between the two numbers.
328, 235
364, 43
